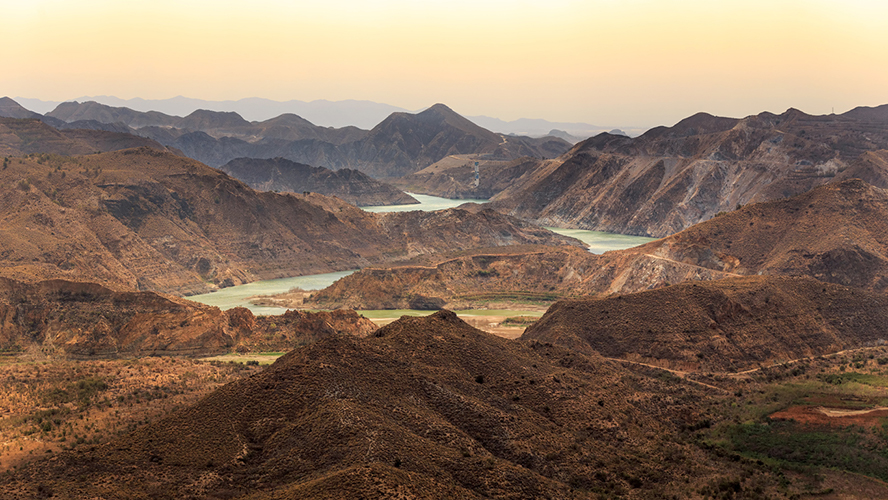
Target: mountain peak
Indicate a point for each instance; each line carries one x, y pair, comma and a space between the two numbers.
11, 109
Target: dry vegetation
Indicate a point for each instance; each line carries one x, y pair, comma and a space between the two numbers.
53, 405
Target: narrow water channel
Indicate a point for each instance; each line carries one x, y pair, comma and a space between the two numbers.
236, 296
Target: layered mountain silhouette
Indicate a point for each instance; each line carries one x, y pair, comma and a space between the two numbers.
282, 175
671, 178
400, 144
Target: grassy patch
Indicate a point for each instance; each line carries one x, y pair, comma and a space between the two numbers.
789, 444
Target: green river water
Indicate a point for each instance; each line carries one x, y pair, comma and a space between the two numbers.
235, 296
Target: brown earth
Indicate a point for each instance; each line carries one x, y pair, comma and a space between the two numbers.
149, 220
84, 320
669, 179
48, 404
727, 325
426, 408
282, 175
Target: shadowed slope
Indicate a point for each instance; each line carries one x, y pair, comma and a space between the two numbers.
727, 325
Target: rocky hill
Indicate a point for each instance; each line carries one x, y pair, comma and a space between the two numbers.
282, 175
728, 325
835, 233
85, 320
425, 408
402, 143
454, 177
144, 219
28, 136
668, 179
11, 109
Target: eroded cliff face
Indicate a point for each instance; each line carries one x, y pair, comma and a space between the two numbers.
671, 178
728, 325
86, 320
143, 219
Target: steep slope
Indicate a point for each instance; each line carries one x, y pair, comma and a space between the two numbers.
426, 408
671, 178
728, 325
85, 320
282, 175
150, 220
836, 233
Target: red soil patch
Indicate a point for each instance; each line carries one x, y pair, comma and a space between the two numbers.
836, 417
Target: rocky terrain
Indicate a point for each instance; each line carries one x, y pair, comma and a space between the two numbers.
86, 321
401, 144
835, 233
728, 325
144, 219
454, 177
426, 408
282, 175
668, 179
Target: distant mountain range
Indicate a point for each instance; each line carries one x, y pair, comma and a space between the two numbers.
400, 144
356, 113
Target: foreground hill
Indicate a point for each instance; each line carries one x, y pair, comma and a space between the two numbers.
400, 144
150, 220
426, 408
837, 233
282, 175
733, 324
671, 178
84, 320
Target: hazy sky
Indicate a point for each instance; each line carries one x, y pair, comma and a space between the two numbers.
606, 62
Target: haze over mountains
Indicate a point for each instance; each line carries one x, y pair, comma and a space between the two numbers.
338, 114
402, 143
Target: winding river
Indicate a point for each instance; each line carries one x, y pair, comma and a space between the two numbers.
235, 296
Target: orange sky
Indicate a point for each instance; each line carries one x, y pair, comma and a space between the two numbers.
606, 62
